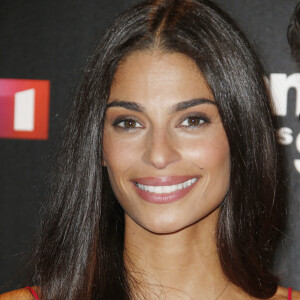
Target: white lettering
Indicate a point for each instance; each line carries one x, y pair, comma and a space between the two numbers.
280, 84
297, 165
298, 142
297, 161
285, 136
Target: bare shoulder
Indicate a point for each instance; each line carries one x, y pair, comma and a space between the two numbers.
282, 294
295, 295
21, 294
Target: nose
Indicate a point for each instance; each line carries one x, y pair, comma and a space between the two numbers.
161, 150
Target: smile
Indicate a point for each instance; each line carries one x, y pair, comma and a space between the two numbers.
166, 189
163, 190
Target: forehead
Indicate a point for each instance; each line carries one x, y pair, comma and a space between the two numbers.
154, 76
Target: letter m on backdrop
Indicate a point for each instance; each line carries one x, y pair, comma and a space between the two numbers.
24, 109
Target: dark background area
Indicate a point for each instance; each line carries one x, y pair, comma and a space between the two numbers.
52, 40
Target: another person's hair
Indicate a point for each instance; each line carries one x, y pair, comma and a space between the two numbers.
293, 34
81, 250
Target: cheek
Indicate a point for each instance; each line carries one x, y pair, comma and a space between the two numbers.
216, 157
212, 156
208, 152
119, 155
218, 164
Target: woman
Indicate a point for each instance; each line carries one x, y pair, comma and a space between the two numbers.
168, 183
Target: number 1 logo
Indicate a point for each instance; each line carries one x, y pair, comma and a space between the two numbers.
24, 109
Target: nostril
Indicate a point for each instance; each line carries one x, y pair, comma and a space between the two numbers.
161, 152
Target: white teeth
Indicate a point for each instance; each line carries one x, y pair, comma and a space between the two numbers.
173, 188
166, 189
158, 189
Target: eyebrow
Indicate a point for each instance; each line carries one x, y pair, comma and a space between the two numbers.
190, 103
126, 104
175, 108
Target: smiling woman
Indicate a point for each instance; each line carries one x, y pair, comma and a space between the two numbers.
169, 182
177, 152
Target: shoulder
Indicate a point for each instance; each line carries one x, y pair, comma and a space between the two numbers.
282, 294
21, 294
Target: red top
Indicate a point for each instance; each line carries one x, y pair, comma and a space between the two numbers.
290, 294
32, 291
36, 297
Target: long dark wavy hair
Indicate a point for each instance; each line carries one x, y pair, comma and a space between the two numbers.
80, 255
293, 34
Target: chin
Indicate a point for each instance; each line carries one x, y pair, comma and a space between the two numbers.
164, 229
169, 225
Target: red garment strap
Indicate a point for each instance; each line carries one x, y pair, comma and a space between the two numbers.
290, 294
32, 291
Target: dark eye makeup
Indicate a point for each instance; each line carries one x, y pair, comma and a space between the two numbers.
126, 123
193, 120
189, 121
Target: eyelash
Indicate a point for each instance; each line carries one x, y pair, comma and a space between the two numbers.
203, 120
118, 122
200, 118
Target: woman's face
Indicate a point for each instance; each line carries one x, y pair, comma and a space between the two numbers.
164, 145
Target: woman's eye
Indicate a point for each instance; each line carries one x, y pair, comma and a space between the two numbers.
128, 124
192, 122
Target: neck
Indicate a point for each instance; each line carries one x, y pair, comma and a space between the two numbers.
180, 265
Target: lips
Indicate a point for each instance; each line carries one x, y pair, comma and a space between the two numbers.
164, 189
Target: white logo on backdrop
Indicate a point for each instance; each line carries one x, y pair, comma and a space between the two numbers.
280, 85
24, 110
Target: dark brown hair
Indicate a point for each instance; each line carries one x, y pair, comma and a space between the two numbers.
81, 250
293, 34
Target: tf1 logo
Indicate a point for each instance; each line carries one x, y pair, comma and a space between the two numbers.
24, 109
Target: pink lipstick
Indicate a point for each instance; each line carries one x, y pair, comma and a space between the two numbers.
163, 190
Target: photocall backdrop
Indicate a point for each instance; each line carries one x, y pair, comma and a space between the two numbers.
51, 41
